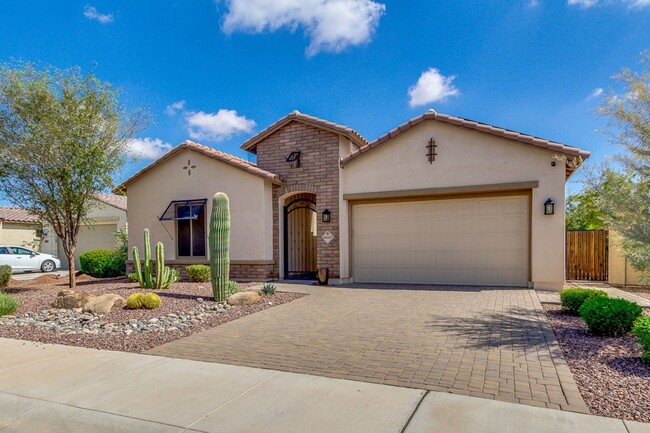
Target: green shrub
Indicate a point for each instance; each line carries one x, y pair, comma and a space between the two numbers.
642, 330
8, 304
231, 288
134, 301
198, 273
102, 263
5, 276
133, 277
572, 299
267, 289
609, 317
151, 301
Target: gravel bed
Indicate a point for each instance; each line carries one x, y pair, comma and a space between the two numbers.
612, 379
186, 308
642, 291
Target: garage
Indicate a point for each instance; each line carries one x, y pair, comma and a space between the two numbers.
480, 240
96, 237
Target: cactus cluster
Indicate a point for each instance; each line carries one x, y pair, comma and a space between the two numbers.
149, 301
219, 241
164, 276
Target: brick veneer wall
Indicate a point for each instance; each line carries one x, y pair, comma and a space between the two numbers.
318, 174
238, 271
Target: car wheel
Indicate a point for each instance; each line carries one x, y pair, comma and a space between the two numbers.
47, 266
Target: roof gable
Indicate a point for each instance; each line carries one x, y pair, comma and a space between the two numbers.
296, 116
117, 201
17, 215
211, 153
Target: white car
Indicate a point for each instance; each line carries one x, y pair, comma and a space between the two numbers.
22, 259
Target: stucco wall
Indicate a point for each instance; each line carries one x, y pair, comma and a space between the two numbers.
619, 269
21, 234
250, 204
467, 158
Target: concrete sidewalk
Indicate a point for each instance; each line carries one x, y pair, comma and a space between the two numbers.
53, 388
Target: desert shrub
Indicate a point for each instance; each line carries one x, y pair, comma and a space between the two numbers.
572, 299
642, 330
151, 301
267, 289
8, 304
5, 276
133, 277
609, 317
198, 273
134, 301
231, 288
102, 263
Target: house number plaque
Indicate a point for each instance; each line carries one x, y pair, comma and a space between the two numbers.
328, 237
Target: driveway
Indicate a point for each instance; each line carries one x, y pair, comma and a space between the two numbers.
493, 343
22, 276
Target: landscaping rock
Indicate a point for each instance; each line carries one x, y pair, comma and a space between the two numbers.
69, 299
104, 303
244, 298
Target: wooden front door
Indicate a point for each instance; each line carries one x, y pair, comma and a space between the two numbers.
300, 220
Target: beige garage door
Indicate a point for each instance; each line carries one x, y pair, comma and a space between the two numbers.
97, 237
472, 241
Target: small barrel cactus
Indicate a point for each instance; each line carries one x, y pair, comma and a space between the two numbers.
134, 301
151, 301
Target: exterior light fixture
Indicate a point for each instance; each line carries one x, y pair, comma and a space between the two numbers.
294, 159
549, 207
327, 216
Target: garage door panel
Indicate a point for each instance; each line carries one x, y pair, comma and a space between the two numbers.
460, 241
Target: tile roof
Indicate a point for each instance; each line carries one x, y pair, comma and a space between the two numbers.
477, 126
296, 116
17, 214
212, 153
118, 201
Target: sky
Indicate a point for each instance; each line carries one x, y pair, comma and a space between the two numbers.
218, 72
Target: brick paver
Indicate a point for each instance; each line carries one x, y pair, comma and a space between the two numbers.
491, 343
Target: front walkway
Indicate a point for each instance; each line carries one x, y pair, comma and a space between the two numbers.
51, 388
613, 292
491, 343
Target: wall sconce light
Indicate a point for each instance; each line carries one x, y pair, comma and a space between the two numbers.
327, 216
549, 207
294, 159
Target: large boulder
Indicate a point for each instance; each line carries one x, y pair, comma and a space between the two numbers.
244, 298
69, 299
104, 303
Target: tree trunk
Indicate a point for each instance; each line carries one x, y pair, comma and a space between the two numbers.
72, 280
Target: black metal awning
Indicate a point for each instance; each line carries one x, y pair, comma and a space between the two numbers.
180, 210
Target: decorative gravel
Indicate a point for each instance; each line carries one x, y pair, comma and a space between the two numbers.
186, 308
642, 291
612, 379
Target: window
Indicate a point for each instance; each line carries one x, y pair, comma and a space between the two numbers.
18, 250
4, 250
190, 230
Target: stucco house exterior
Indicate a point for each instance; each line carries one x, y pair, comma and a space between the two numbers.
18, 227
439, 199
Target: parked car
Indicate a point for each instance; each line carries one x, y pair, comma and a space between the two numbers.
22, 259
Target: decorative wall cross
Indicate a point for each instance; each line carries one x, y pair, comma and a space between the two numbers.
431, 151
189, 167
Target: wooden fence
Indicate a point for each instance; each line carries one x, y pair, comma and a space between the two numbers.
586, 255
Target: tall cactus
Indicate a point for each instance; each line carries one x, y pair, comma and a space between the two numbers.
219, 240
164, 276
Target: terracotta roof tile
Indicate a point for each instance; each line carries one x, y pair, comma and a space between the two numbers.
17, 214
296, 116
212, 153
118, 201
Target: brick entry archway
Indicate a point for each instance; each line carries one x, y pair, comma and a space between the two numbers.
300, 231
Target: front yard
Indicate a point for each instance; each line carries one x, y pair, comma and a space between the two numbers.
186, 308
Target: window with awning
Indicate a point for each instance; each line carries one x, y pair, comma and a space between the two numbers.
190, 226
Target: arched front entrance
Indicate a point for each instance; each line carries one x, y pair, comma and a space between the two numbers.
300, 219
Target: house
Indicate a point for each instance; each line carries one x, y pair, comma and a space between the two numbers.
439, 199
18, 227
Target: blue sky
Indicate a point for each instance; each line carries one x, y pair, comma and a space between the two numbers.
218, 72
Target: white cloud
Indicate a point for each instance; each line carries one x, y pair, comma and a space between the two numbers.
174, 108
147, 148
331, 25
431, 87
217, 126
583, 3
91, 13
596, 93
533, 3
638, 4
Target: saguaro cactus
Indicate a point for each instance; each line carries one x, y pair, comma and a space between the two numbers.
219, 240
164, 277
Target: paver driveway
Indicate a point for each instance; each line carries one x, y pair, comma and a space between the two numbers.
485, 342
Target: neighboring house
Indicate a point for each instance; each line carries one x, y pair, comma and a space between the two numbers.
439, 200
18, 227
107, 215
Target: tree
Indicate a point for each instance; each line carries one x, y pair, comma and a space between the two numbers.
626, 204
62, 137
